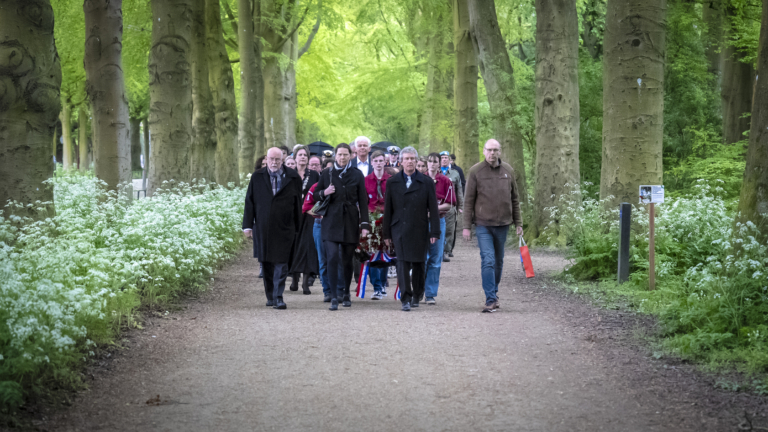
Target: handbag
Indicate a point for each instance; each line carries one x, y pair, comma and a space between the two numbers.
321, 206
525, 259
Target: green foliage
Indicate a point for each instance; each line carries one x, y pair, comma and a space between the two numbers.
711, 281
71, 281
591, 127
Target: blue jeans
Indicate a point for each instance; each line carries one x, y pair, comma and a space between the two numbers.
434, 263
491, 240
378, 276
321, 255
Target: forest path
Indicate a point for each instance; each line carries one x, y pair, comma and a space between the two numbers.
543, 362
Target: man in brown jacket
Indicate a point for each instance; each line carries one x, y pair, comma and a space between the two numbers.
491, 202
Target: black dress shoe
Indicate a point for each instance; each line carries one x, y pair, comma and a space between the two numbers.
334, 305
270, 303
295, 284
327, 299
346, 303
280, 304
450, 254
307, 291
415, 303
311, 281
445, 258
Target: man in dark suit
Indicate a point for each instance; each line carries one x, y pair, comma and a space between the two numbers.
412, 223
361, 160
273, 210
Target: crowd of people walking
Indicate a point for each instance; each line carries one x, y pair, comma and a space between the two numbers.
330, 216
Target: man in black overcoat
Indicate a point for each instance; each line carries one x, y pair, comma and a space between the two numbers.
410, 209
273, 210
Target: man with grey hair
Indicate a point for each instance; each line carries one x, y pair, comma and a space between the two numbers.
361, 149
411, 222
492, 203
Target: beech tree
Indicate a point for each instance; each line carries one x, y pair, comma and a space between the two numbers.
222, 86
30, 82
737, 83
135, 144
557, 108
753, 201
203, 150
633, 97
250, 134
106, 91
67, 153
82, 142
170, 92
496, 70
465, 138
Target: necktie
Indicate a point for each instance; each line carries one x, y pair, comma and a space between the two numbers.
408, 183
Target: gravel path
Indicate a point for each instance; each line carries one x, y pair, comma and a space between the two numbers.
543, 362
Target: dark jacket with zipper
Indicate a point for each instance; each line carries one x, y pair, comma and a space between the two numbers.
409, 213
347, 212
274, 219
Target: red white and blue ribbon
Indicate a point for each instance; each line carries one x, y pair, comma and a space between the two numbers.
397, 292
362, 281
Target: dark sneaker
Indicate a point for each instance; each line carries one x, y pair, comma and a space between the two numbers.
377, 296
406, 307
279, 304
270, 303
346, 303
415, 303
450, 254
446, 259
430, 301
327, 298
334, 305
489, 306
496, 304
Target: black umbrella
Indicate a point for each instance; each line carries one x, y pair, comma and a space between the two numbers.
381, 145
317, 148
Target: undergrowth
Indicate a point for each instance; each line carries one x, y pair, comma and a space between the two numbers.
71, 281
711, 284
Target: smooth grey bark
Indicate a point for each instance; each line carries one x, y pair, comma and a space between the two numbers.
736, 89
496, 69
145, 151
67, 147
170, 92
633, 98
82, 142
250, 135
202, 155
30, 84
556, 115
753, 201
712, 15
106, 91
278, 64
222, 85
466, 132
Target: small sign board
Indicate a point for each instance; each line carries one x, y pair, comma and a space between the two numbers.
651, 194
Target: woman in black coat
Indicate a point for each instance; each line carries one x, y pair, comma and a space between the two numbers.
305, 257
346, 215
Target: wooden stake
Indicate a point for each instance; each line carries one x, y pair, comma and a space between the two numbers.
651, 251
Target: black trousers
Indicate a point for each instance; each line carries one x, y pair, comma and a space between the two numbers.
274, 279
411, 285
338, 261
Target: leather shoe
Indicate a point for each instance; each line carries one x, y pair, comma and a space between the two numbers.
280, 304
334, 305
327, 299
446, 259
294, 285
406, 307
307, 291
270, 303
450, 254
415, 303
346, 303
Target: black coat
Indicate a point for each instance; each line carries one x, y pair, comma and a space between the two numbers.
347, 212
310, 178
406, 221
274, 219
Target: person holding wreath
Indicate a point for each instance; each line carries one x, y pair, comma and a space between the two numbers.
345, 220
376, 187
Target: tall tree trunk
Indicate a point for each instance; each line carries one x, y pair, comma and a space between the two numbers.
222, 86
277, 89
170, 92
145, 151
290, 101
736, 92
67, 148
633, 97
203, 151
497, 73
250, 134
106, 90
82, 146
712, 15
135, 144
429, 140
557, 109
465, 137
753, 202
30, 82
